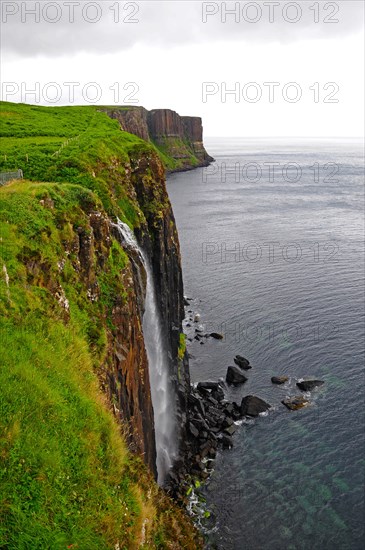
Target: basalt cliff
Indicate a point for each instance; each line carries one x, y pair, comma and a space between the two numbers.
179, 139
78, 443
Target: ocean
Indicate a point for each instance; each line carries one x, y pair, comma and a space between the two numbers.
272, 248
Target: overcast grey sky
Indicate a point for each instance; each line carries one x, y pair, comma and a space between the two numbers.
296, 68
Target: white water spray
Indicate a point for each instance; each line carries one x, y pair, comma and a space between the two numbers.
161, 391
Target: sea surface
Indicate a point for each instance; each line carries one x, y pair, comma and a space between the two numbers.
273, 258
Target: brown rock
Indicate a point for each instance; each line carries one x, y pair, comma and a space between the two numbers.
295, 403
279, 379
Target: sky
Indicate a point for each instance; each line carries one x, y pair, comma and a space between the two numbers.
255, 69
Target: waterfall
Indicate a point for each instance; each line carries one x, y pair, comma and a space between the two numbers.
158, 365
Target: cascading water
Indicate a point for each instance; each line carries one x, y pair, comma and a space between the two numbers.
161, 391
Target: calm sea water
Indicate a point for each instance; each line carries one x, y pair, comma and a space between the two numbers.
273, 258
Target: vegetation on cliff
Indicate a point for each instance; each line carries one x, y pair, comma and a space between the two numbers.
67, 476
178, 140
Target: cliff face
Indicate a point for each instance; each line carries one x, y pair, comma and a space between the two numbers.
165, 123
194, 132
126, 366
126, 178
71, 308
161, 240
180, 138
134, 120
72, 300
124, 372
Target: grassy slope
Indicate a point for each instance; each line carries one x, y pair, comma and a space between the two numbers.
67, 477
178, 147
70, 144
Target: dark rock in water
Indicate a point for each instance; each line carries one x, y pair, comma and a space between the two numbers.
208, 385
236, 413
218, 394
295, 403
228, 409
202, 343
193, 430
279, 379
226, 441
227, 422
216, 335
309, 385
253, 406
188, 324
204, 392
186, 303
242, 362
230, 430
235, 376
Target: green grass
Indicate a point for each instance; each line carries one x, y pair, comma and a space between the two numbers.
67, 479
175, 153
63, 481
66, 476
182, 346
75, 145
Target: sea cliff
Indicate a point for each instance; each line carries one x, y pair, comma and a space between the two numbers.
178, 139
77, 414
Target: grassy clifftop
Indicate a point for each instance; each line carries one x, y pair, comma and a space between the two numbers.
74, 145
67, 478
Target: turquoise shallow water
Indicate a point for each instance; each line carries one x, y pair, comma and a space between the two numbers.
290, 298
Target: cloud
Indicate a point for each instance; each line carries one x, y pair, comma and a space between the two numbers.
66, 28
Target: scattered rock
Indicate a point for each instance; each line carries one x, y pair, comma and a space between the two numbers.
229, 408
216, 335
242, 362
226, 441
253, 406
193, 430
208, 385
235, 376
196, 404
279, 379
227, 422
309, 385
218, 394
295, 403
230, 430
196, 318
213, 401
